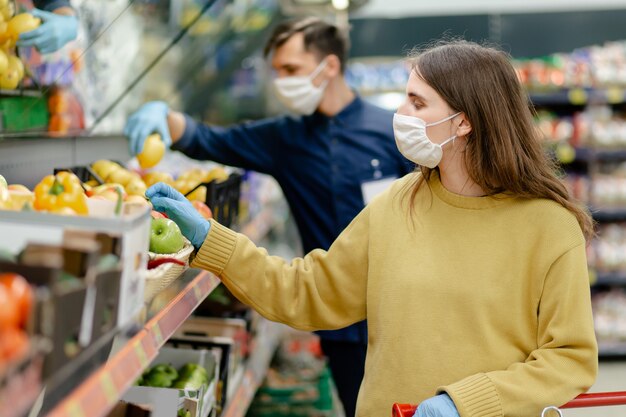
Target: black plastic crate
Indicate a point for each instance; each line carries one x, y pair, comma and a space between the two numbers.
223, 198
84, 173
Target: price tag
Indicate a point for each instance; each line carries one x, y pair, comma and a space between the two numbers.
74, 410
615, 95
141, 355
577, 96
109, 389
158, 336
565, 153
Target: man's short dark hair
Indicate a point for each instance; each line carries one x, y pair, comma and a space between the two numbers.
320, 37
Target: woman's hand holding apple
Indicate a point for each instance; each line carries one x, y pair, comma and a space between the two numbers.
169, 201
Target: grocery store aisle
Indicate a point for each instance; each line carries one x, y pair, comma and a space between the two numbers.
612, 377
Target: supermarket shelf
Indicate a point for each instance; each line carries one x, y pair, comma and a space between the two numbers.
20, 93
579, 96
97, 395
611, 350
608, 216
263, 348
611, 279
584, 154
27, 159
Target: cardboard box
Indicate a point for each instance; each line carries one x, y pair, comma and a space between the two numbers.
132, 229
167, 401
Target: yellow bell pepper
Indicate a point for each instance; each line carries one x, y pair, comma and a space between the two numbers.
57, 193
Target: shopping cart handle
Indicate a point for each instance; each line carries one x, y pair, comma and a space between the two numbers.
403, 410
596, 399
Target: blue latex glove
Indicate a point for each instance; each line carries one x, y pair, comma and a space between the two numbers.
150, 118
167, 200
55, 31
438, 406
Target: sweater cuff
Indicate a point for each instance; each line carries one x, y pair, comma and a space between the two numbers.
474, 396
186, 139
216, 250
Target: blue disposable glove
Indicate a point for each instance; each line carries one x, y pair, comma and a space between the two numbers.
150, 118
437, 406
55, 31
167, 200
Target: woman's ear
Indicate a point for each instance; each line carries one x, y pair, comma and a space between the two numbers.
464, 128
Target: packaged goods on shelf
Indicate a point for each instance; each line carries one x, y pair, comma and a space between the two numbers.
590, 67
609, 311
608, 191
610, 248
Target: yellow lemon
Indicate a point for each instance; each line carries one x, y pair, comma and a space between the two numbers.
153, 151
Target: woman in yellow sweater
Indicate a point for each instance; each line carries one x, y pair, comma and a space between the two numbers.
471, 271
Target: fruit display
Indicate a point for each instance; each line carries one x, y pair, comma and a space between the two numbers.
11, 67
16, 300
134, 184
14, 196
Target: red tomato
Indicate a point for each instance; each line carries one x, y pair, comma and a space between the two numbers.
9, 310
13, 344
21, 293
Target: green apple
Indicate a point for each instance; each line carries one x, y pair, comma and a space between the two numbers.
165, 236
3, 182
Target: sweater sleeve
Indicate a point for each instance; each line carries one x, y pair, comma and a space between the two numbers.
325, 290
563, 365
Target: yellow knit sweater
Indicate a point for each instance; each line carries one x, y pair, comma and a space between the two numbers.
485, 298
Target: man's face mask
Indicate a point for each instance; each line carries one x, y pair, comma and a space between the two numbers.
299, 94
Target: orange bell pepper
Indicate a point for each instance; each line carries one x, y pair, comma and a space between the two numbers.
57, 193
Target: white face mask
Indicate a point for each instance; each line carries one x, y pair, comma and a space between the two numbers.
299, 94
413, 143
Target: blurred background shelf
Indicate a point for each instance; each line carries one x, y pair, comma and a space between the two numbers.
99, 393
245, 385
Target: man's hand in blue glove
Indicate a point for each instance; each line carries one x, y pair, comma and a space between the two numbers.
437, 406
55, 31
150, 118
169, 201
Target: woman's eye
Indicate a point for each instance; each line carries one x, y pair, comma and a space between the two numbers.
417, 105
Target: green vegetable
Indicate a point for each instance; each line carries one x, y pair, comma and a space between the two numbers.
158, 379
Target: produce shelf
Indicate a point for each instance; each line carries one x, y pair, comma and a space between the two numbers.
98, 394
262, 350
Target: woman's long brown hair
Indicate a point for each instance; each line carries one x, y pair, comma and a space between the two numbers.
503, 152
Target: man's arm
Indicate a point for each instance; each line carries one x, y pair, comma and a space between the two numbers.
57, 6
252, 145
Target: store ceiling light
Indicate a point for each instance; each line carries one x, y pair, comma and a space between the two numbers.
341, 4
